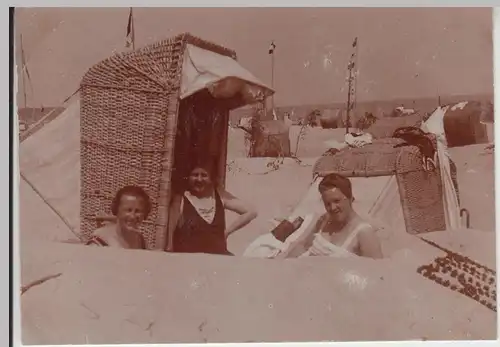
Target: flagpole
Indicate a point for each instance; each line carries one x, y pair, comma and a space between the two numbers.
348, 109
355, 101
352, 64
130, 38
23, 63
133, 28
272, 79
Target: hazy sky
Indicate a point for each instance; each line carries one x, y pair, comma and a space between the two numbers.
402, 52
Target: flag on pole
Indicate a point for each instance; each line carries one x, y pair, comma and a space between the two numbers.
23, 61
25, 71
130, 38
272, 47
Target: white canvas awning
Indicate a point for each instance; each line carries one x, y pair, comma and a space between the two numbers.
223, 76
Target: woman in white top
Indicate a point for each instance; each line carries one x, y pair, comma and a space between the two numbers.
198, 218
341, 231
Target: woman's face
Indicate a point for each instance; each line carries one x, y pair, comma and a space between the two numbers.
199, 180
337, 205
131, 212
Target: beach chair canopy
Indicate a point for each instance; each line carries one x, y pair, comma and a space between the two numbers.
223, 76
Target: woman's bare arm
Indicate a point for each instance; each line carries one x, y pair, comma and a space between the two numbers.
173, 220
99, 238
246, 212
369, 244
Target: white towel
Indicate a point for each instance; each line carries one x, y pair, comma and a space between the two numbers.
358, 141
435, 125
335, 144
267, 246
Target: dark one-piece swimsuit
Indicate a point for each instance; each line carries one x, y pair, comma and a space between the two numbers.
98, 241
195, 235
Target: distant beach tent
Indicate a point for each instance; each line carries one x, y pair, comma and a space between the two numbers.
273, 139
331, 119
359, 118
487, 118
312, 118
463, 124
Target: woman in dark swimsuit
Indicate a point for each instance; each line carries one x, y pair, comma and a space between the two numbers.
131, 206
198, 218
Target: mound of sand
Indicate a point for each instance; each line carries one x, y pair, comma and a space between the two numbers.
107, 296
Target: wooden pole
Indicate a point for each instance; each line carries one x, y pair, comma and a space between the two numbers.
133, 29
272, 80
348, 109
352, 64
23, 67
355, 101
130, 30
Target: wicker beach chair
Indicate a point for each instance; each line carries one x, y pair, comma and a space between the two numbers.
137, 121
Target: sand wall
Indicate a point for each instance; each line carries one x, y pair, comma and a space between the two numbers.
109, 296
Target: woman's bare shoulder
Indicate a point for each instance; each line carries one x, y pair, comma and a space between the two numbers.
367, 232
224, 194
370, 224
235, 204
102, 236
105, 231
366, 227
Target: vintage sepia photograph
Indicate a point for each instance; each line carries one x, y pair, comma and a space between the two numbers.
252, 175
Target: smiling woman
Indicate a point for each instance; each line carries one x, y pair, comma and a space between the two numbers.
198, 218
131, 206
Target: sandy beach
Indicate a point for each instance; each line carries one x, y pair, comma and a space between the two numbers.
210, 299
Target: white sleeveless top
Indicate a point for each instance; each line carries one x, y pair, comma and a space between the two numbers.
323, 247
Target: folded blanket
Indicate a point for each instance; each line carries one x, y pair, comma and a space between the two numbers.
358, 141
268, 246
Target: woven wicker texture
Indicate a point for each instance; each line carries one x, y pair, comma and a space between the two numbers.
129, 114
385, 127
420, 190
376, 159
273, 139
421, 195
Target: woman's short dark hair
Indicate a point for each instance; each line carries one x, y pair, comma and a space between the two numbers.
205, 164
336, 181
131, 191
